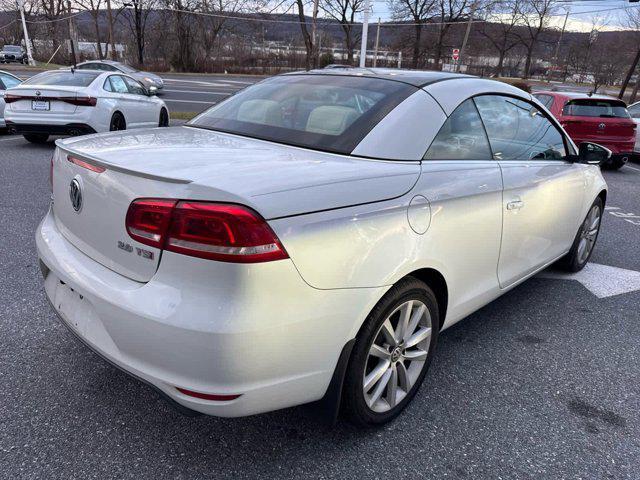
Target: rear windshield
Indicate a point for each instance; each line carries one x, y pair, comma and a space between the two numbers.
596, 108
11, 48
323, 112
63, 79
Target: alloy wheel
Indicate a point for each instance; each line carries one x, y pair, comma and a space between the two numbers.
397, 356
589, 234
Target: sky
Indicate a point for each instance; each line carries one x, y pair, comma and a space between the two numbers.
582, 13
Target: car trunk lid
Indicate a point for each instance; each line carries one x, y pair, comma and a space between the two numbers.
190, 163
46, 100
598, 119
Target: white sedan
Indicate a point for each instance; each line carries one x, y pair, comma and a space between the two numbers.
310, 237
76, 102
634, 111
6, 81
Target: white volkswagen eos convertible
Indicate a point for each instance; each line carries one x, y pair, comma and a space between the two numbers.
76, 102
309, 238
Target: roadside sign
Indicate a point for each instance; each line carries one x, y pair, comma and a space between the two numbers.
456, 54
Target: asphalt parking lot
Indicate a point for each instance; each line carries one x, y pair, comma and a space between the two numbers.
542, 383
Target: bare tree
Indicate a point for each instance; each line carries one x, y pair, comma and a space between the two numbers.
500, 33
418, 12
535, 18
306, 36
633, 20
93, 7
344, 11
137, 13
450, 12
183, 57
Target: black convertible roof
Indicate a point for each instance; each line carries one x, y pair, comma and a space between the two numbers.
417, 78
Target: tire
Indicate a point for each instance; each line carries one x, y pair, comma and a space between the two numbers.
576, 259
117, 123
164, 118
36, 137
362, 408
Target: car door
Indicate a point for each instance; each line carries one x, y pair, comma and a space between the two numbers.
125, 103
543, 191
146, 112
463, 186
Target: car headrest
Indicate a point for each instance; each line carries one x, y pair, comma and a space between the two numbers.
330, 119
266, 112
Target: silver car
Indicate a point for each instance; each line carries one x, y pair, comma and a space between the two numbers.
6, 81
309, 238
146, 78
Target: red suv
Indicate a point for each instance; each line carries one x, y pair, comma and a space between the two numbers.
593, 118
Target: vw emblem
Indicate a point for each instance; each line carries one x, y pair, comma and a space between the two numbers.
75, 194
601, 126
38, 93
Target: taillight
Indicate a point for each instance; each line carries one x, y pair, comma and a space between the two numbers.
87, 165
215, 231
148, 219
81, 101
78, 101
10, 98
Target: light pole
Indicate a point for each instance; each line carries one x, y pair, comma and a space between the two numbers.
365, 31
27, 42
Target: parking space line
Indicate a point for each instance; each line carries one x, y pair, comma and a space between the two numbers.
633, 168
199, 92
9, 139
169, 100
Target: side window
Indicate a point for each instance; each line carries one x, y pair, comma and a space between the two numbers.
462, 137
517, 130
634, 110
118, 84
135, 87
86, 66
546, 100
107, 85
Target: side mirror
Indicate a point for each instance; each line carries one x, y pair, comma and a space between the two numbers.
153, 91
593, 154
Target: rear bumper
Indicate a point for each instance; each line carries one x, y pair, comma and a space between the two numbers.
66, 129
258, 331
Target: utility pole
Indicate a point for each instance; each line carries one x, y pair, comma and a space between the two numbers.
632, 69
375, 56
564, 26
365, 31
466, 34
110, 20
27, 42
72, 35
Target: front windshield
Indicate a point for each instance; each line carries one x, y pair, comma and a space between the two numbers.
11, 48
324, 112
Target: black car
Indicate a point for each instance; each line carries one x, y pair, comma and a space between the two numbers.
13, 54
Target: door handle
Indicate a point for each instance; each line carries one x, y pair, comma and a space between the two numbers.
515, 205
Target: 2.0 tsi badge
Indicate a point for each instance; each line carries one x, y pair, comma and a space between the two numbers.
75, 195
